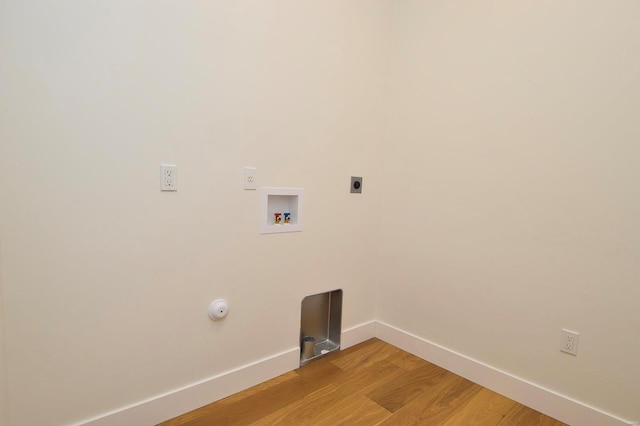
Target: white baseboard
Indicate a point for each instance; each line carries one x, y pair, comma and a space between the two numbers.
357, 334
179, 401
185, 399
543, 400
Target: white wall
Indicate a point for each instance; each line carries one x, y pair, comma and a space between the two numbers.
4, 407
107, 280
518, 124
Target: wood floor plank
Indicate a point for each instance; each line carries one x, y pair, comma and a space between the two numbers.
258, 405
396, 393
368, 384
436, 403
485, 408
407, 361
302, 410
333, 397
365, 356
521, 415
361, 411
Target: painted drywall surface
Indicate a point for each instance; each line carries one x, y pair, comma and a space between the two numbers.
107, 279
4, 406
517, 123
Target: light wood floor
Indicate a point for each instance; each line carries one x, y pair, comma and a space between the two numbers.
372, 383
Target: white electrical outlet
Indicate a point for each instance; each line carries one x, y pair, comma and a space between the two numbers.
569, 342
250, 178
168, 177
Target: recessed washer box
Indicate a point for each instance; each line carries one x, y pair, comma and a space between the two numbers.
281, 201
321, 320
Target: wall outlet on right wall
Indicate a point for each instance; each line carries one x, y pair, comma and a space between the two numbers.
569, 342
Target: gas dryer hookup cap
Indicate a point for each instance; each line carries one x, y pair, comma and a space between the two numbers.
218, 309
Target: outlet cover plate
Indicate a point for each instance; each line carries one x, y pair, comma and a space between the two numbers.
569, 342
356, 185
168, 177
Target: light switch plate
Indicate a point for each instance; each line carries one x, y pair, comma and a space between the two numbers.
250, 178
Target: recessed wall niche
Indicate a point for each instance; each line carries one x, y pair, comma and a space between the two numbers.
320, 325
281, 210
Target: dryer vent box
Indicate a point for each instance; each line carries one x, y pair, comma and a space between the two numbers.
321, 321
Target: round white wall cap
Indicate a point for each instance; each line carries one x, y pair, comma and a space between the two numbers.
218, 309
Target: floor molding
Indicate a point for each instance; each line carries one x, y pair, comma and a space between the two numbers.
544, 400
179, 401
357, 334
182, 400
